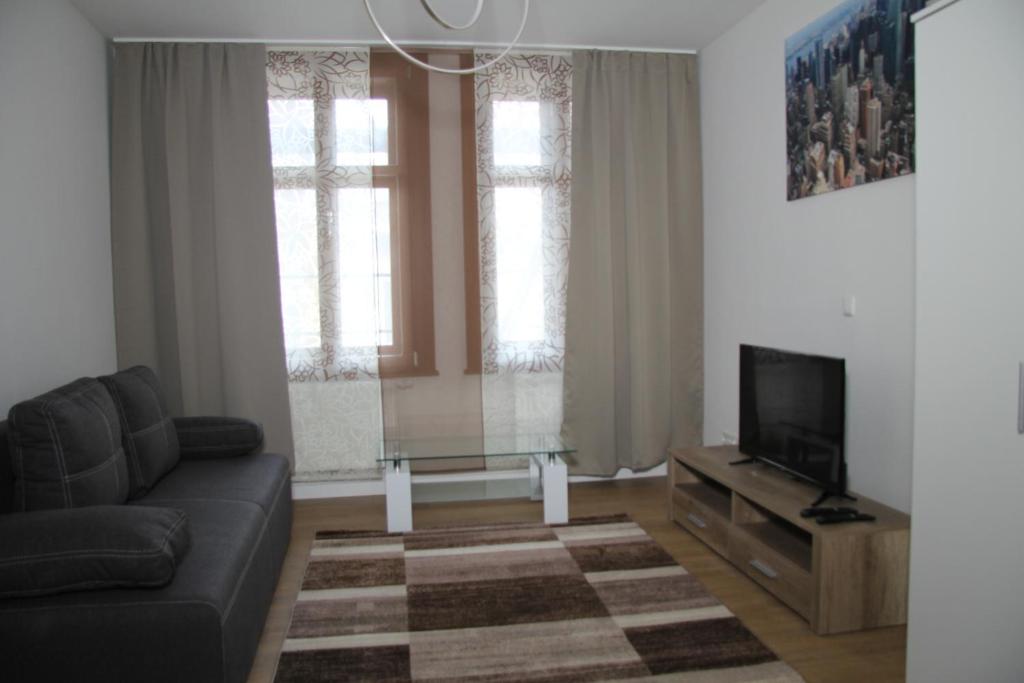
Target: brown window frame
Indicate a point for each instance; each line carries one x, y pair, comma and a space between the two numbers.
407, 176
470, 221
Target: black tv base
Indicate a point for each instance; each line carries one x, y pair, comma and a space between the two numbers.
744, 461
825, 495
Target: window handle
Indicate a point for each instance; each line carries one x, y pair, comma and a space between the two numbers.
1020, 398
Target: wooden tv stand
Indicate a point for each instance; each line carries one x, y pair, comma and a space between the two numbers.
839, 577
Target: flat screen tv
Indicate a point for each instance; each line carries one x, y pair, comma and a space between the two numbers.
793, 414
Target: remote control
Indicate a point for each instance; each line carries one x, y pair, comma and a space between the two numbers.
840, 519
823, 511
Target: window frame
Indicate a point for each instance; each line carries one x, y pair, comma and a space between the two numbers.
470, 220
407, 175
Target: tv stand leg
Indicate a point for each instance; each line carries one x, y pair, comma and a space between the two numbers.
745, 461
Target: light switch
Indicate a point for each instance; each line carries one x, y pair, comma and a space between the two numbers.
849, 305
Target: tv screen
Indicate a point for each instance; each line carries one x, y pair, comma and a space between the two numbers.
792, 413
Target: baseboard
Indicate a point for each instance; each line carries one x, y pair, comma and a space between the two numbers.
306, 490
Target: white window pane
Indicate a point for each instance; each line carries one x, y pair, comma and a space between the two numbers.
384, 317
300, 312
519, 221
361, 137
516, 133
291, 132
382, 202
295, 213
364, 258
358, 311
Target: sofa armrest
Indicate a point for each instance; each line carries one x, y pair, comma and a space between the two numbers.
90, 548
205, 438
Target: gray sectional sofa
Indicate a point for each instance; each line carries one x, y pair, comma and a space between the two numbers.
134, 546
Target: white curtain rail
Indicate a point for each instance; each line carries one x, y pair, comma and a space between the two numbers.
468, 49
931, 9
285, 43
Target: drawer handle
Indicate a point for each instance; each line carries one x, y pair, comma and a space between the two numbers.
697, 521
1020, 398
764, 569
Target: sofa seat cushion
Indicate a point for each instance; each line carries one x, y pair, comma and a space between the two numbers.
66, 449
103, 546
203, 627
179, 632
147, 431
225, 534
251, 478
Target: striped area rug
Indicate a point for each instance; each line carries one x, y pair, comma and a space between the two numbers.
595, 599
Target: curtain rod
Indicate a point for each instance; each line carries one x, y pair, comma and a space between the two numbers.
930, 10
421, 44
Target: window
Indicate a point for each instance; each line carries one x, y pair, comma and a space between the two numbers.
522, 175
352, 193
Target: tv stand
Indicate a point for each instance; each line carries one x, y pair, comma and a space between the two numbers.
839, 577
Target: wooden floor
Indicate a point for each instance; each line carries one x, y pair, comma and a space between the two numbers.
877, 655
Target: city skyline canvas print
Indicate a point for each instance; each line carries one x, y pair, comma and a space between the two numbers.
850, 97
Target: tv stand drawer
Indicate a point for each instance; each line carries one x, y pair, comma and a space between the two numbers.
701, 521
770, 569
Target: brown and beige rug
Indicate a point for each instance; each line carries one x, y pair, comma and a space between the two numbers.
596, 599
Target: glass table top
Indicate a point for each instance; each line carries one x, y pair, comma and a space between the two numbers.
439, 448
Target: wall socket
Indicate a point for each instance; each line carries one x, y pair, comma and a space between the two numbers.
729, 439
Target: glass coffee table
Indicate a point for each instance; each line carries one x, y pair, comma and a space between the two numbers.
549, 479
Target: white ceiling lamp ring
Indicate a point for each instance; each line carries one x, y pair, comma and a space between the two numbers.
440, 69
455, 27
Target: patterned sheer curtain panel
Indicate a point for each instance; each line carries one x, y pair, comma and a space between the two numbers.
523, 117
333, 252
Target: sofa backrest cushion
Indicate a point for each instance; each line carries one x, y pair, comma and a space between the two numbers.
147, 431
103, 546
66, 449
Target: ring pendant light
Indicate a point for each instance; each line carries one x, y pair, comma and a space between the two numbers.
458, 27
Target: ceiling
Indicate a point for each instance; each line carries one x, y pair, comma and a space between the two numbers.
647, 24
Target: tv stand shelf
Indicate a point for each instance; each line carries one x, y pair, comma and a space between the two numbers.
839, 577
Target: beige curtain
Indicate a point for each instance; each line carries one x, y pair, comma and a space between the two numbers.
633, 377
196, 291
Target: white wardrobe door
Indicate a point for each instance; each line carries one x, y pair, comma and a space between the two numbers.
966, 620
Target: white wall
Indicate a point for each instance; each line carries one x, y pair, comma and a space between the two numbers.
966, 618
776, 272
56, 302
